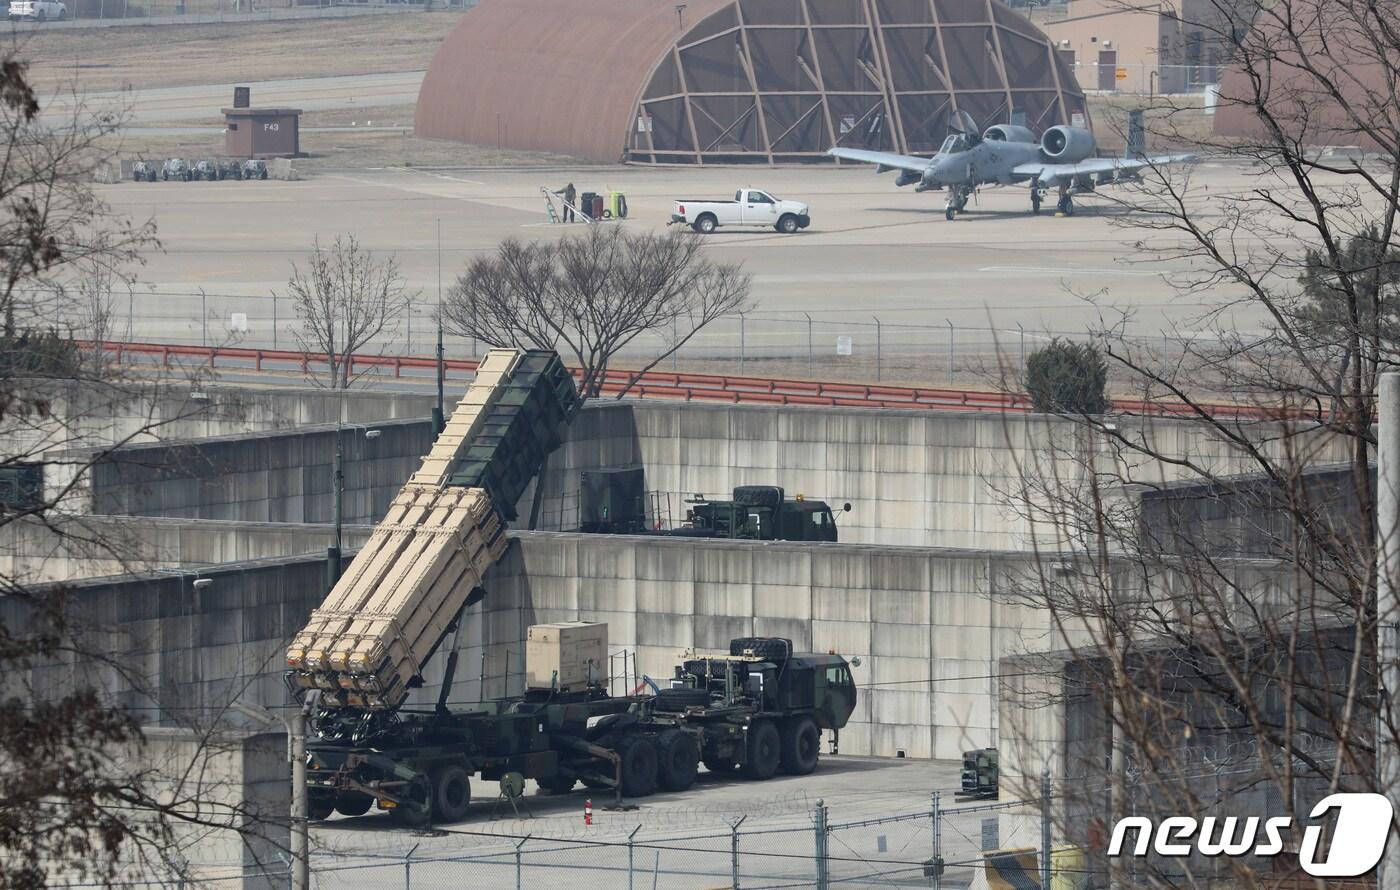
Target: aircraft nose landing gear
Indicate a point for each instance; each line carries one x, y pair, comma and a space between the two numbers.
957, 202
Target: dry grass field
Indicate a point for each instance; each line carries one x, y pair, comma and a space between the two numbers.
101, 59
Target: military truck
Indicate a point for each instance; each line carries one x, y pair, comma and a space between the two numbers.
762, 513
759, 710
613, 501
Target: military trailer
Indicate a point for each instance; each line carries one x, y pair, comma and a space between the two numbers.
753, 713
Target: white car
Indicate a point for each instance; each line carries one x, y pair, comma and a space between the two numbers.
750, 207
38, 10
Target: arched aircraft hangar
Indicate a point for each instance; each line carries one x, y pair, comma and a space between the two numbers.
738, 81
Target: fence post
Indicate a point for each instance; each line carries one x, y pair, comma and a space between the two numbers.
950, 351
629, 855
518, 868
936, 878
203, 318
810, 357
734, 851
408, 867
675, 343
879, 359
823, 878
742, 347
1021, 368
1045, 827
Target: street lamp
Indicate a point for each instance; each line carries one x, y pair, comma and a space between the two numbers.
338, 483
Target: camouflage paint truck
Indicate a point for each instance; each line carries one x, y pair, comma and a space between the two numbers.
756, 712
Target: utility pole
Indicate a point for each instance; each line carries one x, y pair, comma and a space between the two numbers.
301, 840
439, 416
1045, 828
1388, 610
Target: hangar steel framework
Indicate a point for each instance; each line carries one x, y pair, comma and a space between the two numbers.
783, 80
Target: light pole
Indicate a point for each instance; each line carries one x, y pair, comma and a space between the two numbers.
338, 483
439, 417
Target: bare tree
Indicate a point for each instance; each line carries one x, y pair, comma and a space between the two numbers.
77, 803
344, 300
594, 296
1213, 573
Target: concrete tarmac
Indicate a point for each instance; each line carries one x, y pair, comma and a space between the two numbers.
873, 252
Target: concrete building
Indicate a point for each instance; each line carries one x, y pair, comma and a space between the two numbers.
1146, 46
737, 81
262, 132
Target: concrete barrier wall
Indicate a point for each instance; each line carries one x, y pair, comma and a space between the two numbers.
262, 477
65, 548
929, 625
913, 478
86, 414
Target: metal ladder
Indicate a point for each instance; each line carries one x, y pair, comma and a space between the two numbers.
549, 204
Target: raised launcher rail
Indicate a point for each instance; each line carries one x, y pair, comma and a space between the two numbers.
425, 561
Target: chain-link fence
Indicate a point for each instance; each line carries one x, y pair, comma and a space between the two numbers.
833, 345
939, 847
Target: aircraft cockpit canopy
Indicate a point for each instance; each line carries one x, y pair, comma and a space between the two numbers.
953, 144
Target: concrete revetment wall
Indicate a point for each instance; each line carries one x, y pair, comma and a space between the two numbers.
945, 479
928, 625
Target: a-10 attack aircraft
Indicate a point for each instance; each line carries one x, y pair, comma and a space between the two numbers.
1006, 154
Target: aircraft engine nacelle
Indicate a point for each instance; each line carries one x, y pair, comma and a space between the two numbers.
908, 177
1008, 133
1066, 145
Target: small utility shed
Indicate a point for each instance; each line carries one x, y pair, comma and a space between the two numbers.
262, 132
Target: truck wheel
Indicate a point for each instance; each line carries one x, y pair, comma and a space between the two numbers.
452, 793
638, 753
682, 698
764, 751
787, 224
705, 224
416, 808
802, 746
679, 760
352, 803
319, 806
556, 784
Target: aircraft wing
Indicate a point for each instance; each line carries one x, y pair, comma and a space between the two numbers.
1102, 169
884, 160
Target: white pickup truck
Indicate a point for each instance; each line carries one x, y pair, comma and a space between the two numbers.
38, 10
750, 207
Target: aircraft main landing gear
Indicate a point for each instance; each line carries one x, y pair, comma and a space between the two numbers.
1036, 197
1065, 207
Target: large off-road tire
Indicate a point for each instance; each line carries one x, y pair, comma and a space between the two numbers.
787, 224
452, 793
679, 760
681, 698
559, 784
802, 746
639, 761
764, 751
319, 806
353, 803
706, 223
